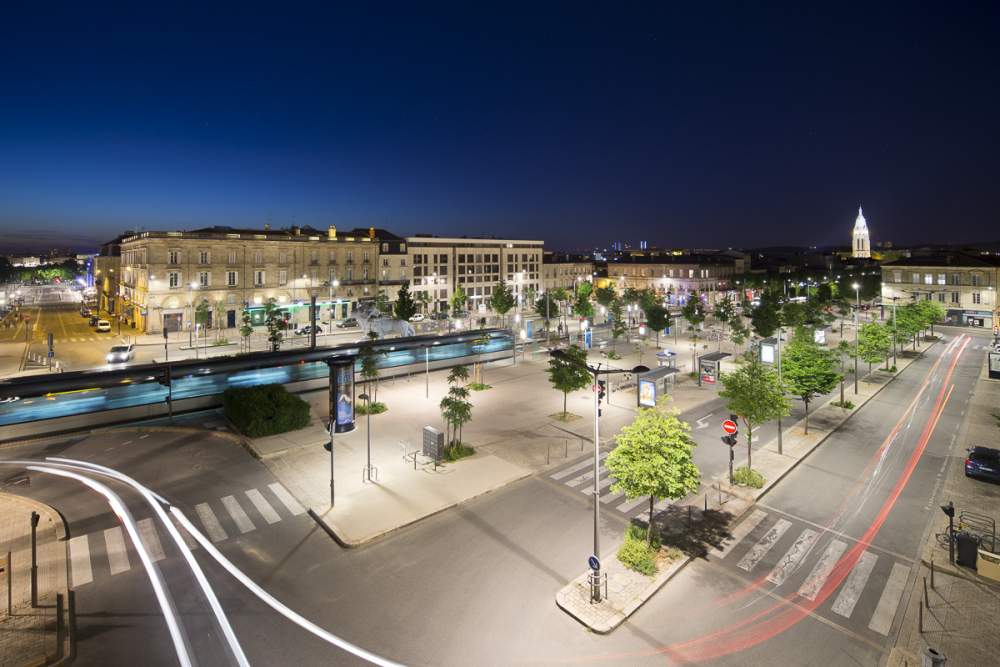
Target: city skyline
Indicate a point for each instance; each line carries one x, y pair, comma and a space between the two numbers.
668, 126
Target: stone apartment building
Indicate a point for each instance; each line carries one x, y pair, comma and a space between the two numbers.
565, 270
676, 276
442, 264
166, 275
966, 285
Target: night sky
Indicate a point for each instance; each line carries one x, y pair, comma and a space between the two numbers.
725, 126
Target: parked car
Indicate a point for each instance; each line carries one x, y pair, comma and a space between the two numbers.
85, 312
103, 326
417, 318
119, 354
347, 324
94, 319
307, 329
440, 315
983, 463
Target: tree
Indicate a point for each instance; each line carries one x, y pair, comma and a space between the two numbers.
458, 299
807, 369
218, 315
618, 325
738, 331
694, 312
648, 299
605, 295
202, 314
568, 372
274, 324
754, 394
424, 298
369, 371
545, 306
765, 318
584, 289
657, 319
874, 343
930, 313
457, 411
906, 324
582, 307
502, 299
653, 457
561, 297
725, 311
246, 326
382, 302
404, 308
824, 293
458, 375
793, 314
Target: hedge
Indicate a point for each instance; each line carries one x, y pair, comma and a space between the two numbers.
265, 410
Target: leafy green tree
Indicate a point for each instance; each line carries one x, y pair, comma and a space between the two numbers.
404, 308
618, 325
694, 312
423, 298
657, 319
457, 411
874, 343
369, 371
382, 302
274, 323
582, 307
584, 289
458, 299
766, 317
502, 300
546, 306
458, 375
653, 457
807, 369
824, 293
202, 313
793, 314
930, 313
569, 372
725, 311
906, 324
631, 296
755, 394
738, 331
246, 325
561, 297
605, 295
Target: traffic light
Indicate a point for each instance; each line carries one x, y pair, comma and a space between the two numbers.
729, 440
601, 387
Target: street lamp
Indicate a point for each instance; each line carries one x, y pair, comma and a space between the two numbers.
595, 581
857, 318
368, 433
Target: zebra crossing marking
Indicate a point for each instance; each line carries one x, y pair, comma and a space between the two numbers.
240, 517
885, 610
215, 531
265, 510
821, 571
79, 554
566, 472
793, 557
630, 505
147, 533
760, 549
287, 499
740, 532
611, 497
849, 594
116, 550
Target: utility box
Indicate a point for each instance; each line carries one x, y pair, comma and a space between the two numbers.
968, 549
989, 565
433, 443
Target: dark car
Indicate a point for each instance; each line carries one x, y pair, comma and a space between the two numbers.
307, 329
94, 320
983, 463
439, 316
348, 323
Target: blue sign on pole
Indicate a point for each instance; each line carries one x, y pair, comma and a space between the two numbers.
588, 337
528, 325
594, 562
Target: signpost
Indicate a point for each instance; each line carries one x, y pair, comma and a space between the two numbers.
594, 562
732, 429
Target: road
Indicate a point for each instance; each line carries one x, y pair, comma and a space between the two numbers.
475, 585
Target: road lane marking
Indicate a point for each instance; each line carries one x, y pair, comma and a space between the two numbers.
760, 549
117, 553
287, 499
147, 533
849, 594
79, 553
215, 531
821, 571
740, 532
793, 557
611, 497
886, 609
243, 522
266, 511
566, 472
630, 505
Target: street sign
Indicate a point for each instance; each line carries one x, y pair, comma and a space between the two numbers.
730, 427
594, 562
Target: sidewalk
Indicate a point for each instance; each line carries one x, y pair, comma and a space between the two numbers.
29, 636
963, 613
701, 522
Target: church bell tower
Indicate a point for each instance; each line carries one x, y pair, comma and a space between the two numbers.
861, 246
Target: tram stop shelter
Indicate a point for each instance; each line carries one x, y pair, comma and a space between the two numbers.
653, 384
708, 367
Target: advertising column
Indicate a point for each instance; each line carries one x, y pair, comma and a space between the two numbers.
341, 394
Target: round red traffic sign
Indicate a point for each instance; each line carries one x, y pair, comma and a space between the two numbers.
730, 427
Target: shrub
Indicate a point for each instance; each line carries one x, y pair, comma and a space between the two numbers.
479, 386
377, 408
746, 477
892, 369
458, 451
635, 554
264, 410
614, 355
847, 405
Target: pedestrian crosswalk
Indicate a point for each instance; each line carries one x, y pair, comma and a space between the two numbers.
803, 557
110, 551
580, 476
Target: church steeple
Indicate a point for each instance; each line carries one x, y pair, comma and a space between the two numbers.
860, 242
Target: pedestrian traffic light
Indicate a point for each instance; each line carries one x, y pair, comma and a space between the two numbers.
729, 440
601, 387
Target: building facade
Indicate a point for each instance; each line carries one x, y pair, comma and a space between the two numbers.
676, 277
106, 268
565, 271
168, 277
966, 285
440, 265
860, 242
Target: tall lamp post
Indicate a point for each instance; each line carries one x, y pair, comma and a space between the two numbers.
596, 371
857, 327
368, 432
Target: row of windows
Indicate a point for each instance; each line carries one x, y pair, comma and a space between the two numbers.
478, 258
204, 257
975, 279
232, 278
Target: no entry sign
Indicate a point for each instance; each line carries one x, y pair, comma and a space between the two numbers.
730, 427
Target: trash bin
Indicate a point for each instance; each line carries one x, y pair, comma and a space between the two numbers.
968, 549
932, 658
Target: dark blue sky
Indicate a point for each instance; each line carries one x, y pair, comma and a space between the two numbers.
723, 125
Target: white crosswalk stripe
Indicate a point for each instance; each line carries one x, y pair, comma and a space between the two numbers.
266, 511
215, 531
287, 499
849, 594
764, 545
603, 484
117, 553
740, 532
889, 601
240, 517
611, 497
790, 561
821, 571
630, 505
147, 533
79, 554
566, 472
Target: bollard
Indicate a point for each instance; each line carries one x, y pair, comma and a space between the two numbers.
10, 580
548, 453
565, 448
932, 573
60, 627
706, 502
34, 559
920, 617
71, 625
690, 508
927, 600
933, 658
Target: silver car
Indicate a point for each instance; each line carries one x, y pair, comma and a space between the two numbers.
119, 354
